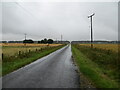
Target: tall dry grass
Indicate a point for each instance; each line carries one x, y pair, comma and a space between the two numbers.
11, 49
112, 47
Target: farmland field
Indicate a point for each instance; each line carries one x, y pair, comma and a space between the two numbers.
100, 64
15, 56
112, 47
14, 48
21, 44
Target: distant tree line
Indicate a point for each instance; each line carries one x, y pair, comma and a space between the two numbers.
44, 41
49, 41
96, 42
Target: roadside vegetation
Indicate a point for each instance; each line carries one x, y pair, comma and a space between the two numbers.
15, 57
101, 66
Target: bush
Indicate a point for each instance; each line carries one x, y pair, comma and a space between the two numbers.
28, 41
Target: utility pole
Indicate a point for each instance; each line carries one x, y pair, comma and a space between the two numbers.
25, 36
61, 38
91, 29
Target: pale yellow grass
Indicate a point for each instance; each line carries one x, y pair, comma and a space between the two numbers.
21, 44
112, 47
10, 49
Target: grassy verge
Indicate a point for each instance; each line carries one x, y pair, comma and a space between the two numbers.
96, 71
11, 65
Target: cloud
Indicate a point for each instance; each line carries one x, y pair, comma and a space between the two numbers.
51, 19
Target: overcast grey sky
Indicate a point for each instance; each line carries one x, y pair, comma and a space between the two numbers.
51, 19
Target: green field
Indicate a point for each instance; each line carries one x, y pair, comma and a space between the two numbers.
98, 65
11, 63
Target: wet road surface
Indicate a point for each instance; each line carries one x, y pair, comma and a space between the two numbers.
53, 71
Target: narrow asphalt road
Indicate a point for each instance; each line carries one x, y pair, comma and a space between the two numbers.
53, 71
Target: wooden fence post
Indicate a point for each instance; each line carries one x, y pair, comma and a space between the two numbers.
2, 56
29, 50
19, 53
